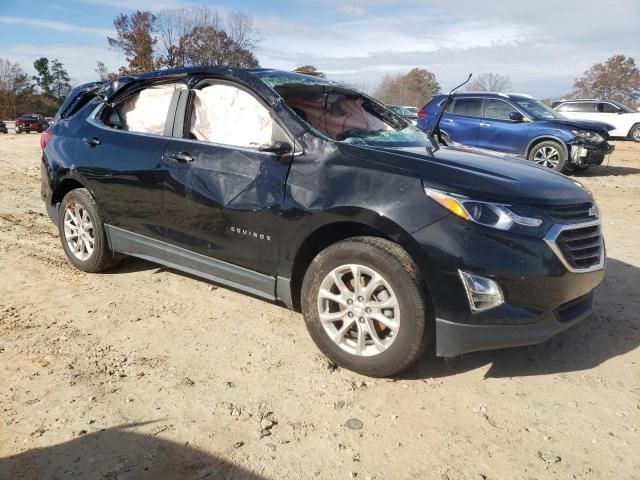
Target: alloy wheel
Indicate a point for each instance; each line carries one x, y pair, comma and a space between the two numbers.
358, 310
78, 231
547, 156
636, 134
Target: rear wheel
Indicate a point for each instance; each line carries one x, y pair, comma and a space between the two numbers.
82, 233
634, 133
548, 154
365, 307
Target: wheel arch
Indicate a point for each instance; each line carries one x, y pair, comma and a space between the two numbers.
336, 231
64, 187
631, 129
547, 138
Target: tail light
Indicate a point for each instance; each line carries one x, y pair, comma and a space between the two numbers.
422, 113
45, 137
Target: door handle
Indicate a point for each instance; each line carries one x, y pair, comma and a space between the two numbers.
92, 142
485, 124
182, 157
448, 120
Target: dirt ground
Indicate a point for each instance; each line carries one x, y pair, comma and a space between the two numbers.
144, 372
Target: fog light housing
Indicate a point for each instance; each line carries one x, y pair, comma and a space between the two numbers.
482, 292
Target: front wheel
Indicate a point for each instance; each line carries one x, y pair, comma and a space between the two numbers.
548, 154
634, 133
82, 233
365, 306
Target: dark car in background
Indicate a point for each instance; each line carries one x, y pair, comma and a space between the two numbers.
3, 127
519, 125
31, 122
311, 194
408, 113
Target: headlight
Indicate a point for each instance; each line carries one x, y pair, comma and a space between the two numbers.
588, 135
516, 218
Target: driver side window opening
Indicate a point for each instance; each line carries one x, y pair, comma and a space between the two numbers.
145, 111
227, 115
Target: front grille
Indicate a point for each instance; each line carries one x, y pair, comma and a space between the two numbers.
581, 246
576, 213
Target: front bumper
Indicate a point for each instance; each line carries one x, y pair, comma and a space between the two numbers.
588, 154
454, 339
542, 297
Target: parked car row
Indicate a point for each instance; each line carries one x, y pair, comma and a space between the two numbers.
519, 125
314, 195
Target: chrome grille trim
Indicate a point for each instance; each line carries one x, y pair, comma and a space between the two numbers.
556, 230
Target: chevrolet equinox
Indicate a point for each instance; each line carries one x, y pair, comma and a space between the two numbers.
313, 195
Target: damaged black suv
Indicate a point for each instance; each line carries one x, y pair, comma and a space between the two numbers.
313, 195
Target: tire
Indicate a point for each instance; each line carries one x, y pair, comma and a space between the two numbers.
408, 326
634, 133
548, 154
81, 206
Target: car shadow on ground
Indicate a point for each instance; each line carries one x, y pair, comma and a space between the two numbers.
614, 330
607, 171
119, 453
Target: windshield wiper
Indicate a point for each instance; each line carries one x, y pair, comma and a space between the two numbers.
435, 130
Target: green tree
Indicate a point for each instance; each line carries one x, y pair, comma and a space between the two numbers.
135, 39
43, 79
60, 80
618, 78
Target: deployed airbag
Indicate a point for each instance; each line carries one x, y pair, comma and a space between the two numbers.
227, 115
146, 111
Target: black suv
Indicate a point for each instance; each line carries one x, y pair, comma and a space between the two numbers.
304, 192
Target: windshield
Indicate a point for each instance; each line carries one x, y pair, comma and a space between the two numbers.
538, 110
407, 137
346, 115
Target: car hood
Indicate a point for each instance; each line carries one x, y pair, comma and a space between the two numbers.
475, 173
582, 124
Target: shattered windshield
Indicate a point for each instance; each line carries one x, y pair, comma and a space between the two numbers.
343, 114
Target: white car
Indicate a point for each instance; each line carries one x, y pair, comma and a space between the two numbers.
625, 120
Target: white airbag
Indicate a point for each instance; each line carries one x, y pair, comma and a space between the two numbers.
147, 110
227, 115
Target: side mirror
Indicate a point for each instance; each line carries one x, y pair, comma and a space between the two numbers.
516, 116
279, 148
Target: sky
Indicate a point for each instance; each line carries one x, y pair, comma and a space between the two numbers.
542, 45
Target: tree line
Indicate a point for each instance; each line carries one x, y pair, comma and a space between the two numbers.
42, 93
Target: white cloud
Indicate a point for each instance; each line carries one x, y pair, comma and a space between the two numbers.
54, 25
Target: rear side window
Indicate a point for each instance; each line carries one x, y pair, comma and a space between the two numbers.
227, 115
145, 111
497, 109
607, 108
583, 107
470, 107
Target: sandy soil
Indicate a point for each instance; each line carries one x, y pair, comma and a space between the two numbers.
143, 372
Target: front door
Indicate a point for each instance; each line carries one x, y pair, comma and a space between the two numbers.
223, 188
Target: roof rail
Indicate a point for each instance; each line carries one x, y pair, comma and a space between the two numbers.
526, 95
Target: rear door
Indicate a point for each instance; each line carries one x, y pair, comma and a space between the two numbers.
122, 148
498, 132
223, 192
462, 122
